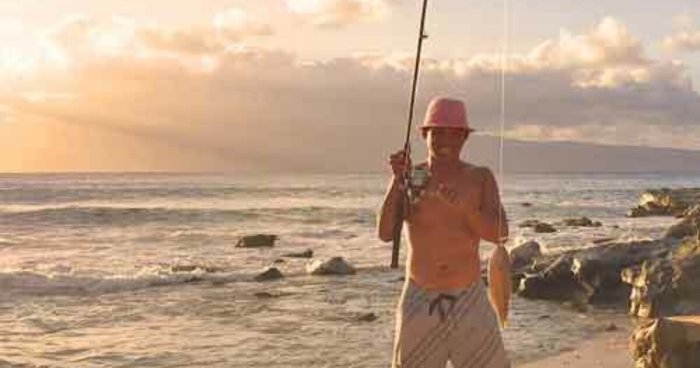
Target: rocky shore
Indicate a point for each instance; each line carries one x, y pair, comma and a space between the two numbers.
656, 280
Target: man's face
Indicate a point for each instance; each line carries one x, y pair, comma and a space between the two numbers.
445, 142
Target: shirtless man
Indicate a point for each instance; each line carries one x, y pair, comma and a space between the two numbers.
444, 313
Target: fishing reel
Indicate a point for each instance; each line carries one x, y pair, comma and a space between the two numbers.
417, 181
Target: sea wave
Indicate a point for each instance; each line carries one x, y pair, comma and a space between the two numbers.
36, 283
124, 216
53, 194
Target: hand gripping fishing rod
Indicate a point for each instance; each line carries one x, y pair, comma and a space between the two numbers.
402, 200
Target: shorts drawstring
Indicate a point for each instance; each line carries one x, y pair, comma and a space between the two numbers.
437, 302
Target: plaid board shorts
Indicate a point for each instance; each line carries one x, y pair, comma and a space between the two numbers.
458, 325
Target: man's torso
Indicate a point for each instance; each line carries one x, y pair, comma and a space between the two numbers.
443, 250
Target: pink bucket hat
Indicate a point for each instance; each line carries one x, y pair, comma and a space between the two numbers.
446, 112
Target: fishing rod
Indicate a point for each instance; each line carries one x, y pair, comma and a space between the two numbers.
402, 200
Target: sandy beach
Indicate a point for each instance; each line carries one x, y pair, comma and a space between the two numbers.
606, 350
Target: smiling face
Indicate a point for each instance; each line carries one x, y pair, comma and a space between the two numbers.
445, 143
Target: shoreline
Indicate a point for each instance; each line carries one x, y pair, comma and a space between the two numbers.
606, 349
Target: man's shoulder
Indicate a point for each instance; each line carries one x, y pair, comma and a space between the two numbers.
475, 169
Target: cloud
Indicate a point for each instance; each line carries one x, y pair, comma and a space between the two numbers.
338, 13
688, 40
223, 108
80, 37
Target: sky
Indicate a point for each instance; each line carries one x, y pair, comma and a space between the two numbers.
227, 85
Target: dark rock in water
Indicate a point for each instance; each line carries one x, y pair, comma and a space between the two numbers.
528, 223
602, 240
524, 254
582, 221
367, 317
526, 204
543, 227
611, 327
256, 241
597, 224
305, 254
665, 202
279, 260
263, 295
667, 286
270, 274
672, 342
333, 266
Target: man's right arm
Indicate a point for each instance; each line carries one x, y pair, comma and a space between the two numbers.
387, 212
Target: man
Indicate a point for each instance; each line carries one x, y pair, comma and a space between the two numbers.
444, 313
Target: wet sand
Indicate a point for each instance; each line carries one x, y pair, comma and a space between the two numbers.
605, 350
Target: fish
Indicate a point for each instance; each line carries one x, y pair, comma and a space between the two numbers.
499, 281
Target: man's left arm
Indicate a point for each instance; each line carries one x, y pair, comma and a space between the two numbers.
489, 219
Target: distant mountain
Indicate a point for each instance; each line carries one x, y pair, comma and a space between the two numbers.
537, 157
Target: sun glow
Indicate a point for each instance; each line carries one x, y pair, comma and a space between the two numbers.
304, 6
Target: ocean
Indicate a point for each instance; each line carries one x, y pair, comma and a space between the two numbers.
141, 270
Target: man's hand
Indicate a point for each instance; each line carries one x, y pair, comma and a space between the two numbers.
466, 199
397, 161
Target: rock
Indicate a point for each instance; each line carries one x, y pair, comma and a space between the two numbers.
683, 228
666, 286
556, 282
524, 254
591, 275
611, 327
582, 221
528, 223
270, 274
279, 260
263, 295
543, 227
692, 211
597, 224
256, 241
305, 254
526, 204
598, 269
367, 317
333, 266
602, 240
672, 342
665, 202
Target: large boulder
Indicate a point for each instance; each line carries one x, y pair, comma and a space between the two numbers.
332, 266
598, 269
524, 254
665, 202
556, 282
686, 227
591, 275
672, 342
256, 241
666, 286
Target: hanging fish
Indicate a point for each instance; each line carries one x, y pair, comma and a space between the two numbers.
499, 280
